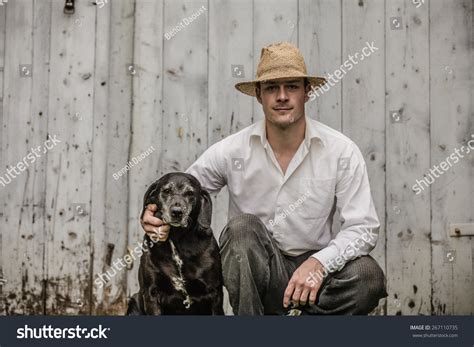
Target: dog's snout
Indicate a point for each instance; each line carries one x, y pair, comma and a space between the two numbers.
176, 211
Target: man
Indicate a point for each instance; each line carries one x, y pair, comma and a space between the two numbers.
286, 176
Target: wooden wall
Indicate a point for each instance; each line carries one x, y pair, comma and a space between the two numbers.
109, 85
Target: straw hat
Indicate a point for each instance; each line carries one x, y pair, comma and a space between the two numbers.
279, 60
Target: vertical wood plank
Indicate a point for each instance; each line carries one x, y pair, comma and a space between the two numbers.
363, 99
24, 125
451, 127
185, 88
320, 40
69, 167
2, 65
407, 148
99, 299
147, 118
113, 112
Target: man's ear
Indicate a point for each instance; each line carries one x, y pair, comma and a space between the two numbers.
205, 213
257, 94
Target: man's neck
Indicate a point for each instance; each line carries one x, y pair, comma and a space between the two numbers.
286, 141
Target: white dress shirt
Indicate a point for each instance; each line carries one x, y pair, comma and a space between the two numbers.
327, 172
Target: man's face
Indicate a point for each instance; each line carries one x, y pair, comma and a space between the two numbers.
283, 100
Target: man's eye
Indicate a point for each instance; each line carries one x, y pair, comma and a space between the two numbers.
270, 88
293, 86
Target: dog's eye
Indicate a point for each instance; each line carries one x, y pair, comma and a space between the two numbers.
166, 191
188, 193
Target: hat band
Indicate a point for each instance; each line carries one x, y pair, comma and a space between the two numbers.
276, 73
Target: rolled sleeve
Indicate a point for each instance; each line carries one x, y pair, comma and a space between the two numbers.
359, 222
210, 169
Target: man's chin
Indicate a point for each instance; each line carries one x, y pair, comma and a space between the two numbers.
283, 122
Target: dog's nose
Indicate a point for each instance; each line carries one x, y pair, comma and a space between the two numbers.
176, 211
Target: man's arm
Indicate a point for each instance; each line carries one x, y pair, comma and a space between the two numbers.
359, 221
210, 169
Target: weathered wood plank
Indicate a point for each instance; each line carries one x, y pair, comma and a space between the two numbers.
185, 85
99, 299
24, 126
147, 118
407, 144
451, 128
320, 41
2, 65
113, 118
69, 167
363, 95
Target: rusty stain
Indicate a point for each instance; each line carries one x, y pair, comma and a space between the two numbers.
110, 251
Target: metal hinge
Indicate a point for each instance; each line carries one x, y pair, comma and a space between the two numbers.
461, 229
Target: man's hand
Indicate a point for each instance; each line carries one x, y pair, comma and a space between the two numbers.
154, 227
306, 280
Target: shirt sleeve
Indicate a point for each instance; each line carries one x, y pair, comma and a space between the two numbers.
210, 169
359, 222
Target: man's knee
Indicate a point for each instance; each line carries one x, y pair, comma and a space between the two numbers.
370, 284
241, 228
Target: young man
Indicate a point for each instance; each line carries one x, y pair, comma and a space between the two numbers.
286, 176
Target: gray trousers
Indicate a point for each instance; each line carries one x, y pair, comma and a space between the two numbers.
256, 275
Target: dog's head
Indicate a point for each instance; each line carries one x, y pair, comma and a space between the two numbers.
181, 200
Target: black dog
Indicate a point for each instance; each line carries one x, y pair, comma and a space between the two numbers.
183, 274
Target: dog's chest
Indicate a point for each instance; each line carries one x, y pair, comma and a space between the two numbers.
177, 278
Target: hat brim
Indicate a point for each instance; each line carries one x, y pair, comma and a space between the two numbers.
249, 87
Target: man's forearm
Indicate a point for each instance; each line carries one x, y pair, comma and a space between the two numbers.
352, 243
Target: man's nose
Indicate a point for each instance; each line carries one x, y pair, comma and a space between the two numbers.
282, 94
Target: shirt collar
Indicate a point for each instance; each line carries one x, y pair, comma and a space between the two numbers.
312, 132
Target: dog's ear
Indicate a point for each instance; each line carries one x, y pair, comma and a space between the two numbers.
147, 199
205, 213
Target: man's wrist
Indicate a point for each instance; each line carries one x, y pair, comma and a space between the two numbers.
317, 263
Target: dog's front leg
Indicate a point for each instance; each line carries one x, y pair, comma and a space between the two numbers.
217, 303
152, 305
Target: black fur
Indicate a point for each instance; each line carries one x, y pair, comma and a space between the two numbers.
180, 200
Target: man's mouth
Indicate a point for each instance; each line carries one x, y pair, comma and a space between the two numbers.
282, 110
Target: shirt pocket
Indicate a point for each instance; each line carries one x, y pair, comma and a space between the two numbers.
318, 197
